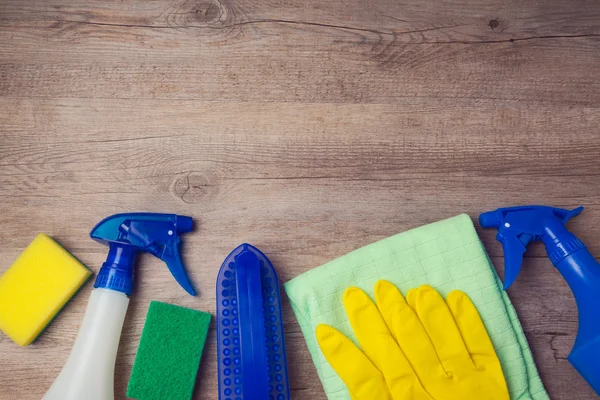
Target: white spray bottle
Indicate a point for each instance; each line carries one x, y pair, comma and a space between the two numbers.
89, 371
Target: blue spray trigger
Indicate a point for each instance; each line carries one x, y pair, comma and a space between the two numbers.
519, 226
128, 234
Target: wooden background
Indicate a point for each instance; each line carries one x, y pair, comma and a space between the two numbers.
306, 127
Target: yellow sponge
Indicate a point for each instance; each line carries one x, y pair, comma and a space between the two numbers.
36, 287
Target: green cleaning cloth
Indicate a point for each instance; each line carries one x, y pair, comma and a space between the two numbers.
447, 255
169, 353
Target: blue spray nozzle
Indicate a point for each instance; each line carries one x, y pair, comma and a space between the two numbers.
128, 234
519, 226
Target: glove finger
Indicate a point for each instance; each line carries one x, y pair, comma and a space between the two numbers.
441, 328
411, 298
364, 381
379, 346
471, 328
408, 331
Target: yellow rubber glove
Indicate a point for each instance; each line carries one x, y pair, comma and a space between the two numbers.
415, 349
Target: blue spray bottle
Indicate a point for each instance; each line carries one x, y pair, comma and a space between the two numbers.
519, 226
89, 370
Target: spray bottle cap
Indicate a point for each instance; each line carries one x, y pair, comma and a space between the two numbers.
519, 226
128, 234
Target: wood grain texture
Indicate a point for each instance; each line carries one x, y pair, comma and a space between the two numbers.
308, 128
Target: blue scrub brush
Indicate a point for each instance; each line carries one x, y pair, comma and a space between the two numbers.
251, 348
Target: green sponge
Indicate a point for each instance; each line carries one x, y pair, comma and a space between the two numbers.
169, 353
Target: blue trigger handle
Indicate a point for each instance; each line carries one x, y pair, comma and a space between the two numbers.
172, 258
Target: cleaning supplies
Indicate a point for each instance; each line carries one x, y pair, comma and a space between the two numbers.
36, 287
89, 370
167, 360
423, 348
251, 348
446, 255
519, 226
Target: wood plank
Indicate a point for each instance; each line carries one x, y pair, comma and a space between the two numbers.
310, 61
358, 74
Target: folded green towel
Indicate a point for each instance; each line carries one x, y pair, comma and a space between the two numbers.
447, 255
